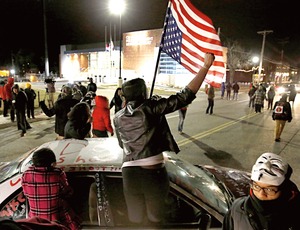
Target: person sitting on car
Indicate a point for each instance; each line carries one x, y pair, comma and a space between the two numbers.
46, 188
274, 200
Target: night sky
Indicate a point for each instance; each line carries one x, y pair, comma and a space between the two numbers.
84, 21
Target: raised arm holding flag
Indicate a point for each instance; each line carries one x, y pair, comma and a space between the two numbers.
187, 35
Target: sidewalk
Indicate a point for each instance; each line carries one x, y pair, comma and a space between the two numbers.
6, 122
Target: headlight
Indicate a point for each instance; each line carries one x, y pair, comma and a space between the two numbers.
280, 89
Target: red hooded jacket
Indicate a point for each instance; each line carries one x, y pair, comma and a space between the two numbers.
7, 89
101, 115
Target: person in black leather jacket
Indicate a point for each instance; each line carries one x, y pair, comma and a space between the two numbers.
143, 133
273, 202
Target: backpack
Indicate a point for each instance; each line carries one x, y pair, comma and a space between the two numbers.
279, 112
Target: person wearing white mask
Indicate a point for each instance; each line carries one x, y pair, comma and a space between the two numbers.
273, 201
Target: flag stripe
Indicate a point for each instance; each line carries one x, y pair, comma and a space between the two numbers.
188, 35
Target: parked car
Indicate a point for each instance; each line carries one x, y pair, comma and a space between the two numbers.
282, 88
198, 199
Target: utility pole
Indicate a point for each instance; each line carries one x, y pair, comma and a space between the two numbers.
264, 33
45, 40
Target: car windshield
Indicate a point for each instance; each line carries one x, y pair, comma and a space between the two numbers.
9, 169
198, 182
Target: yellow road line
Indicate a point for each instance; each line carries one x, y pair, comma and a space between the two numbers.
215, 129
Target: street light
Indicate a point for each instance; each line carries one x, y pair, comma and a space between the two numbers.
117, 7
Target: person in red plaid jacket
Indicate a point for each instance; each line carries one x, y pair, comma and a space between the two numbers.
46, 188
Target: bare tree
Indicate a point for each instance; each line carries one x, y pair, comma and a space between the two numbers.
237, 58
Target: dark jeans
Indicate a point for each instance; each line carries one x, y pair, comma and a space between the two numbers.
99, 133
210, 106
21, 121
30, 109
145, 191
258, 108
8, 106
182, 114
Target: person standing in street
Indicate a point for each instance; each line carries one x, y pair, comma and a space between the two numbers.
210, 99
31, 95
20, 104
82, 88
117, 100
235, 89
1, 93
101, 117
282, 112
91, 86
293, 94
259, 97
50, 90
228, 90
251, 93
61, 108
182, 113
223, 88
273, 201
143, 134
80, 122
7, 99
270, 97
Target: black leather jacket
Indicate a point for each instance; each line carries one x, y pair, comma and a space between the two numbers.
142, 129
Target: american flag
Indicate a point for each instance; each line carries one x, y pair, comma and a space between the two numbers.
189, 34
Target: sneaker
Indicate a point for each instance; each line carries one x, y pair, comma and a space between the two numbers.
180, 132
22, 134
277, 139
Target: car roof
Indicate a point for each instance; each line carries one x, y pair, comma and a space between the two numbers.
105, 155
100, 152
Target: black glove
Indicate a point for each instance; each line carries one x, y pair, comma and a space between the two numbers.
42, 103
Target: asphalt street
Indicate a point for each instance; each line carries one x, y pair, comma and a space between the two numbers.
234, 136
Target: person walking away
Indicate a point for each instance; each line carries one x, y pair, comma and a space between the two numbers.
31, 95
270, 97
228, 90
235, 89
292, 95
80, 122
223, 87
62, 107
273, 201
282, 112
91, 86
20, 104
101, 118
210, 99
182, 113
143, 134
7, 97
117, 100
251, 95
259, 97
46, 188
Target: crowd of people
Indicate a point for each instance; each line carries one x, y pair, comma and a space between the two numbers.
143, 133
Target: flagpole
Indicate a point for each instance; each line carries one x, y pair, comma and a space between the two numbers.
160, 49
